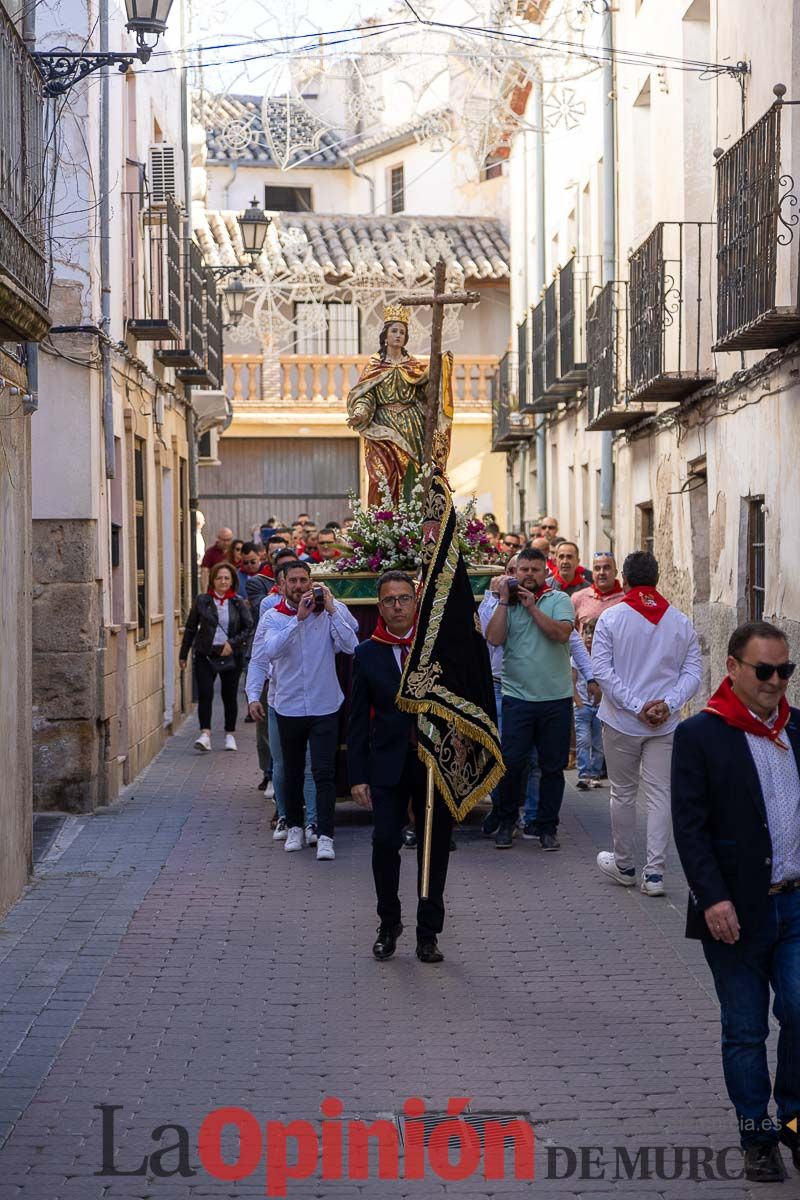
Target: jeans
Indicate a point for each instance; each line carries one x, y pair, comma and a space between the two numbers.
205, 675
588, 741
389, 815
262, 738
630, 761
279, 775
743, 974
534, 774
321, 736
546, 726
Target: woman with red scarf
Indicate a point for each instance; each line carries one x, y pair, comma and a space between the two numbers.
218, 628
736, 816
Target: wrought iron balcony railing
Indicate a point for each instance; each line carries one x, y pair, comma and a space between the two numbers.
189, 355
522, 365
23, 259
538, 350
757, 288
210, 373
509, 425
670, 329
558, 325
155, 294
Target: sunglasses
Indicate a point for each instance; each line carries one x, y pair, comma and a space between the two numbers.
765, 671
548, 527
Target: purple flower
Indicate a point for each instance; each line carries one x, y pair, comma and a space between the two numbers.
384, 515
376, 560
403, 543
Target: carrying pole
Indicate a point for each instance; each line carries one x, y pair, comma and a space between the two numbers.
427, 835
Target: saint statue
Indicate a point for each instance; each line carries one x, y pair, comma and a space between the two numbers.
389, 408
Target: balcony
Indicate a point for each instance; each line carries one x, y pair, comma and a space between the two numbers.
558, 333
323, 381
539, 401
209, 374
610, 404
23, 258
670, 331
190, 353
509, 425
757, 284
155, 293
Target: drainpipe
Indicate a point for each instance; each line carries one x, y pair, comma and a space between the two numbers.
191, 437
609, 255
360, 175
31, 348
105, 252
541, 422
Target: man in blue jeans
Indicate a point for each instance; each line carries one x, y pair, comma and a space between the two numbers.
736, 817
537, 693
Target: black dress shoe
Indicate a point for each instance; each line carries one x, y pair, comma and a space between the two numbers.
409, 838
262, 787
550, 841
386, 941
792, 1141
504, 837
763, 1163
429, 952
491, 823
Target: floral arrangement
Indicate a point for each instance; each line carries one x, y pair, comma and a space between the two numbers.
388, 536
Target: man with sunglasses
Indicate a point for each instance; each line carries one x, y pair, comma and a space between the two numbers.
736, 815
385, 770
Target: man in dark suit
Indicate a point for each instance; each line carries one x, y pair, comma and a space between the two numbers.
385, 771
736, 816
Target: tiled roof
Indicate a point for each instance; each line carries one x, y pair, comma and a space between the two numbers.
235, 131
343, 247
437, 122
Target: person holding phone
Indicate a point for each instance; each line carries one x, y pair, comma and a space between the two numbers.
299, 638
533, 623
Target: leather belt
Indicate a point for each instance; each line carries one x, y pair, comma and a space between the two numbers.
787, 885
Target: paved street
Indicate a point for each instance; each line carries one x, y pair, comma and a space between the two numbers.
172, 960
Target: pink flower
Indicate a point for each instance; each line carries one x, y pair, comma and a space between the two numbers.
385, 515
375, 561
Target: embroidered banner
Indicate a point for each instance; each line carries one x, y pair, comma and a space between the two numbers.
447, 680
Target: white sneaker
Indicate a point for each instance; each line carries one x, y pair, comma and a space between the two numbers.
294, 839
230, 741
653, 885
311, 834
269, 791
203, 742
325, 847
280, 831
608, 865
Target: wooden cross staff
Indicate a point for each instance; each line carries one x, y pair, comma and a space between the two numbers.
437, 302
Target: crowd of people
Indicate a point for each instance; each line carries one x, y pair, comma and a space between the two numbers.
591, 658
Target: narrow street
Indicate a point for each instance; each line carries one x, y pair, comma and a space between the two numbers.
172, 959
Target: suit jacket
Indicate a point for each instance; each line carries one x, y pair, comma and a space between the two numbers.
379, 733
202, 622
720, 820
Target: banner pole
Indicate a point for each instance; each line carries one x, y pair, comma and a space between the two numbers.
427, 835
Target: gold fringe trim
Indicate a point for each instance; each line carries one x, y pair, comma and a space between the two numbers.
460, 811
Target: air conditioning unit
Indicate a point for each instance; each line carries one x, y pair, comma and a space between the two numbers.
162, 178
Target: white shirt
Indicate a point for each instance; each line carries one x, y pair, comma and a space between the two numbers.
780, 787
221, 632
635, 661
301, 655
580, 655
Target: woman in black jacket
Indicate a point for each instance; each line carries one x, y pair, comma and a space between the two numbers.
219, 626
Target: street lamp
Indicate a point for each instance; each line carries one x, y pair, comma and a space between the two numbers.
61, 69
235, 294
253, 224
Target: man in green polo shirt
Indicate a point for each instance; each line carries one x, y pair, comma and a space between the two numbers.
537, 693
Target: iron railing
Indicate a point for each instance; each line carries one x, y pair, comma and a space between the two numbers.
23, 258
550, 335
509, 426
210, 373
155, 309
670, 334
522, 363
189, 355
537, 354
755, 225
575, 283
606, 367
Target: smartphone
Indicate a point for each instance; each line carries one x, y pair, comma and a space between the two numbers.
513, 592
319, 599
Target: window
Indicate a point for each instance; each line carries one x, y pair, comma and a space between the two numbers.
492, 169
647, 528
140, 519
756, 558
332, 328
287, 199
397, 189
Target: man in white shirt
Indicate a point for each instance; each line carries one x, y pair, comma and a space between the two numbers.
646, 659
301, 644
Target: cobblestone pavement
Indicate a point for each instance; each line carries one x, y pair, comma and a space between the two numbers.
173, 960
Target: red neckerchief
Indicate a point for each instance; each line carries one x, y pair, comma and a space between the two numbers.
266, 570
275, 590
551, 566
648, 603
383, 636
544, 588
726, 704
283, 607
229, 595
578, 581
617, 588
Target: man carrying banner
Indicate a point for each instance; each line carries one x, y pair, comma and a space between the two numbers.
435, 738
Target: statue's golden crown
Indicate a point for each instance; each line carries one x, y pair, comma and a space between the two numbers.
396, 312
